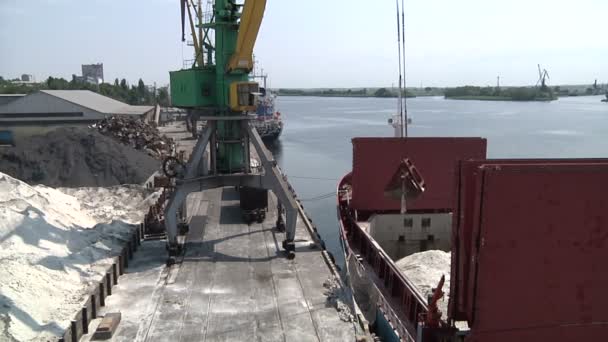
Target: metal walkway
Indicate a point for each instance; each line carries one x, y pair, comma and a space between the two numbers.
234, 283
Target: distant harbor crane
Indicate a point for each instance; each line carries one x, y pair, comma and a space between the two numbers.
543, 75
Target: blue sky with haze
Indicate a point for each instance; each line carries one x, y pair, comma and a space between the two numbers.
321, 43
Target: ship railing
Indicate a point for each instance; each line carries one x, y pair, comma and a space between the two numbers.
394, 320
408, 304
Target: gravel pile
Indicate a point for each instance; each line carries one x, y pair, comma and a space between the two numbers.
336, 297
76, 157
137, 134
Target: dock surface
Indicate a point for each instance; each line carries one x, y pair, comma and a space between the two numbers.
233, 283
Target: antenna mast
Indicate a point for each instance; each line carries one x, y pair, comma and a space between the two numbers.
400, 106
404, 72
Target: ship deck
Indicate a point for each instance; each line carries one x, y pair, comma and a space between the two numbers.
233, 282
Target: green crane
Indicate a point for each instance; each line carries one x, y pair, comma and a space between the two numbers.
209, 86
216, 88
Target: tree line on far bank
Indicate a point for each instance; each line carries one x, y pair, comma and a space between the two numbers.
363, 92
511, 93
119, 90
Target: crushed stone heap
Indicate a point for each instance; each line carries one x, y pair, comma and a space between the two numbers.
137, 134
76, 157
53, 246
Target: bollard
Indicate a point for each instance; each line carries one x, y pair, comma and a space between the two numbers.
74, 329
125, 259
102, 295
93, 307
114, 273
108, 283
85, 321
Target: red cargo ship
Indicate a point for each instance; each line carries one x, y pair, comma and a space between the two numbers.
528, 241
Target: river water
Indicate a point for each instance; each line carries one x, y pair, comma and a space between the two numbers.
315, 149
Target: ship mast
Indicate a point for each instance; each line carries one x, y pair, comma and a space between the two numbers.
401, 125
400, 104
404, 122
402, 97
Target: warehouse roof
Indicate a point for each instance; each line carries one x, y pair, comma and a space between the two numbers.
97, 102
6, 98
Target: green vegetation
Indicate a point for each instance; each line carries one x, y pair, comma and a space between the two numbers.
462, 93
426, 91
383, 92
500, 94
363, 92
120, 90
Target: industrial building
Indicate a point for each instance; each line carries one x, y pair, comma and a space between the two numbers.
93, 73
48, 109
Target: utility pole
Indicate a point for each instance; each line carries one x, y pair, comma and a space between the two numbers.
155, 98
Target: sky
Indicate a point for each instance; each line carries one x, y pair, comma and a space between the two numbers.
321, 43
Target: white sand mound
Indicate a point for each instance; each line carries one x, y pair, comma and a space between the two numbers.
53, 248
127, 203
425, 269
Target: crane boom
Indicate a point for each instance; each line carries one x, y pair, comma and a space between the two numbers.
251, 19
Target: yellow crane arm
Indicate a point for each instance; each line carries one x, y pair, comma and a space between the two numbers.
197, 47
251, 19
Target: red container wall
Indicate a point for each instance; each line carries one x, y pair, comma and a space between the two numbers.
467, 194
465, 221
375, 160
541, 251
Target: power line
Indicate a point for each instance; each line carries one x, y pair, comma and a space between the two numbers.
315, 178
319, 197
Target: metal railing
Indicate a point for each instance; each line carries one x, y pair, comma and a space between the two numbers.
409, 305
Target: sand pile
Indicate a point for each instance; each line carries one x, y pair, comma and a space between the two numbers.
76, 157
127, 203
52, 248
425, 269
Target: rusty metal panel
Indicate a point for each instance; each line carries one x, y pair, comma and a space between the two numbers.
376, 159
542, 242
465, 226
469, 186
